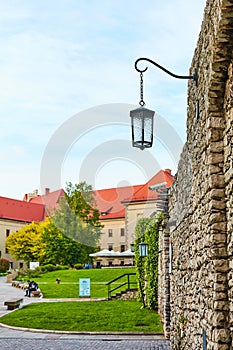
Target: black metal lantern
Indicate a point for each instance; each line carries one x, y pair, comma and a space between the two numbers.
142, 120
132, 247
143, 249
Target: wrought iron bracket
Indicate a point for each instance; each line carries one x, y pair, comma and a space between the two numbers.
194, 76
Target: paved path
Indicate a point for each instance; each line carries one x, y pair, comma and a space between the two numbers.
15, 338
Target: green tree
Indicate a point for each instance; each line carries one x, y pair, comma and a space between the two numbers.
45, 243
60, 249
80, 198
78, 218
68, 237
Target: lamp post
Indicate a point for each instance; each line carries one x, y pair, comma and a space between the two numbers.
143, 252
142, 119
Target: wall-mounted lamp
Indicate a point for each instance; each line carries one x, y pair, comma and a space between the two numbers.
142, 119
143, 249
132, 247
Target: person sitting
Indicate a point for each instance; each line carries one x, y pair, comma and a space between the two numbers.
33, 286
27, 289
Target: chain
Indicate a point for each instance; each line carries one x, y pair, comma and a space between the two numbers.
142, 103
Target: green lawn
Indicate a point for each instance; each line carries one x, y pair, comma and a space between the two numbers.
86, 316
69, 286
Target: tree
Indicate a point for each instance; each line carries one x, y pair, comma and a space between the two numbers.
60, 249
67, 237
80, 198
44, 242
26, 244
77, 218
4, 265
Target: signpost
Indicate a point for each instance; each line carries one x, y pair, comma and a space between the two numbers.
84, 287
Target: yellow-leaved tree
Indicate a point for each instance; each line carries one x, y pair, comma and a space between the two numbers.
27, 243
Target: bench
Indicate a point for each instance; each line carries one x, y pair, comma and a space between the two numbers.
36, 293
13, 303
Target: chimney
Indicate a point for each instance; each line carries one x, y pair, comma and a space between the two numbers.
29, 196
47, 190
168, 171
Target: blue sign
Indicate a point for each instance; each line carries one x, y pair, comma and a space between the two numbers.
84, 287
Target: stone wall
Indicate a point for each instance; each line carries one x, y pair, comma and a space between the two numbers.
201, 202
228, 171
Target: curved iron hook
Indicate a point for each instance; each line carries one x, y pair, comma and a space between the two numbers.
194, 76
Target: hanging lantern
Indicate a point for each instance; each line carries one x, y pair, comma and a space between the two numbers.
142, 127
142, 120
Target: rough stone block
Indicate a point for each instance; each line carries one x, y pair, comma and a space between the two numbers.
221, 335
221, 265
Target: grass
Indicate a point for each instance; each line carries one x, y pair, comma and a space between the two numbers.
86, 316
69, 285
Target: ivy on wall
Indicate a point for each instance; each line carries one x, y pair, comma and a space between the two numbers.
147, 230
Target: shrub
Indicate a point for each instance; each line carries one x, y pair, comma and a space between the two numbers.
78, 266
33, 274
4, 265
50, 267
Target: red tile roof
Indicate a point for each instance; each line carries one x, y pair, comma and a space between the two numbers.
145, 193
49, 200
17, 210
109, 201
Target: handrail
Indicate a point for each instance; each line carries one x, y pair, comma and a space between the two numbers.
119, 277
121, 285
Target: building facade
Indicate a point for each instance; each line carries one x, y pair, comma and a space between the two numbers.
119, 208
15, 214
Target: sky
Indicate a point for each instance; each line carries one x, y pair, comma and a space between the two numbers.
68, 84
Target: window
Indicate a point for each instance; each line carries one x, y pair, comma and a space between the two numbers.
122, 231
8, 232
122, 248
20, 265
109, 232
110, 247
6, 251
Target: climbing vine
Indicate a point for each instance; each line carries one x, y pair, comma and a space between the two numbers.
147, 230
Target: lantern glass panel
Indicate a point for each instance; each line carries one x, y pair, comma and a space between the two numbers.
142, 127
143, 249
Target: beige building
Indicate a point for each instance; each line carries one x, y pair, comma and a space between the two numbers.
15, 214
121, 208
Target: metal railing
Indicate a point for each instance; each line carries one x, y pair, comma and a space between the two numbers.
128, 282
